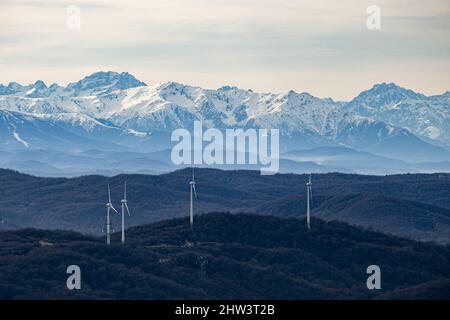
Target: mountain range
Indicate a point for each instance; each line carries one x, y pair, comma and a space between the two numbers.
398, 129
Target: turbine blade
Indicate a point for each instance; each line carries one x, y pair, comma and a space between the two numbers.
125, 191
109, 194
195, 191
193, 177
128, 210
114, 209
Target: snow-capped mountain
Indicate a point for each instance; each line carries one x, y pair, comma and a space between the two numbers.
426, 117
102, 83
98, 83
115, 110
38, 89
25, 131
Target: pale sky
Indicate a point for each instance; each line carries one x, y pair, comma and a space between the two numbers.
322, 47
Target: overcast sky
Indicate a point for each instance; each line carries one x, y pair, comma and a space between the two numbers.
322, 47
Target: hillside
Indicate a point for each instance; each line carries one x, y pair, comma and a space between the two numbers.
418, 204
405, 218
225, 257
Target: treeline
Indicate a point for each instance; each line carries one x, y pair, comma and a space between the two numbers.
225, 256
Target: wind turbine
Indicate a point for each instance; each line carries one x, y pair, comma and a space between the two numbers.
109, 206
308, 195
192, 193
124, 207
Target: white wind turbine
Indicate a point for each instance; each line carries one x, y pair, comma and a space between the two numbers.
308, 195
109, 206
124, 207
192, 193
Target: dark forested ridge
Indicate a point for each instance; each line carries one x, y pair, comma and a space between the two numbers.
225, 256
416, 206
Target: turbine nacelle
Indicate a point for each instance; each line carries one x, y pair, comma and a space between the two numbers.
110, 206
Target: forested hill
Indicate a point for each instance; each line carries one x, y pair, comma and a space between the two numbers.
415, 206
225, 256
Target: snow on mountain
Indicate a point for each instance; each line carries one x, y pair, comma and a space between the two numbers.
24, 131
12, 88
102, 83
303, 120
98, 83
427, 117
382, 139
171, 105
65, 131
119, 109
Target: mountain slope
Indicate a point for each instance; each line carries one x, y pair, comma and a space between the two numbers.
382, 139
424, 116
23, 131
226, 257
78, 203
386, 120
344, 157
405, 218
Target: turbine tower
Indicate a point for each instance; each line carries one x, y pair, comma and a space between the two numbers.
192, 193
109, 206
308, 195
124, 207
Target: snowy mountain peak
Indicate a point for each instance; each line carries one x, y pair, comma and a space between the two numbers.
37, 90
292, 93
103, 83
40, 85
14, 85
426, 117
228, 88
11, 88
384, 92
385, 86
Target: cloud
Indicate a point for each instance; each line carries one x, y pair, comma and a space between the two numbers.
208, 42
